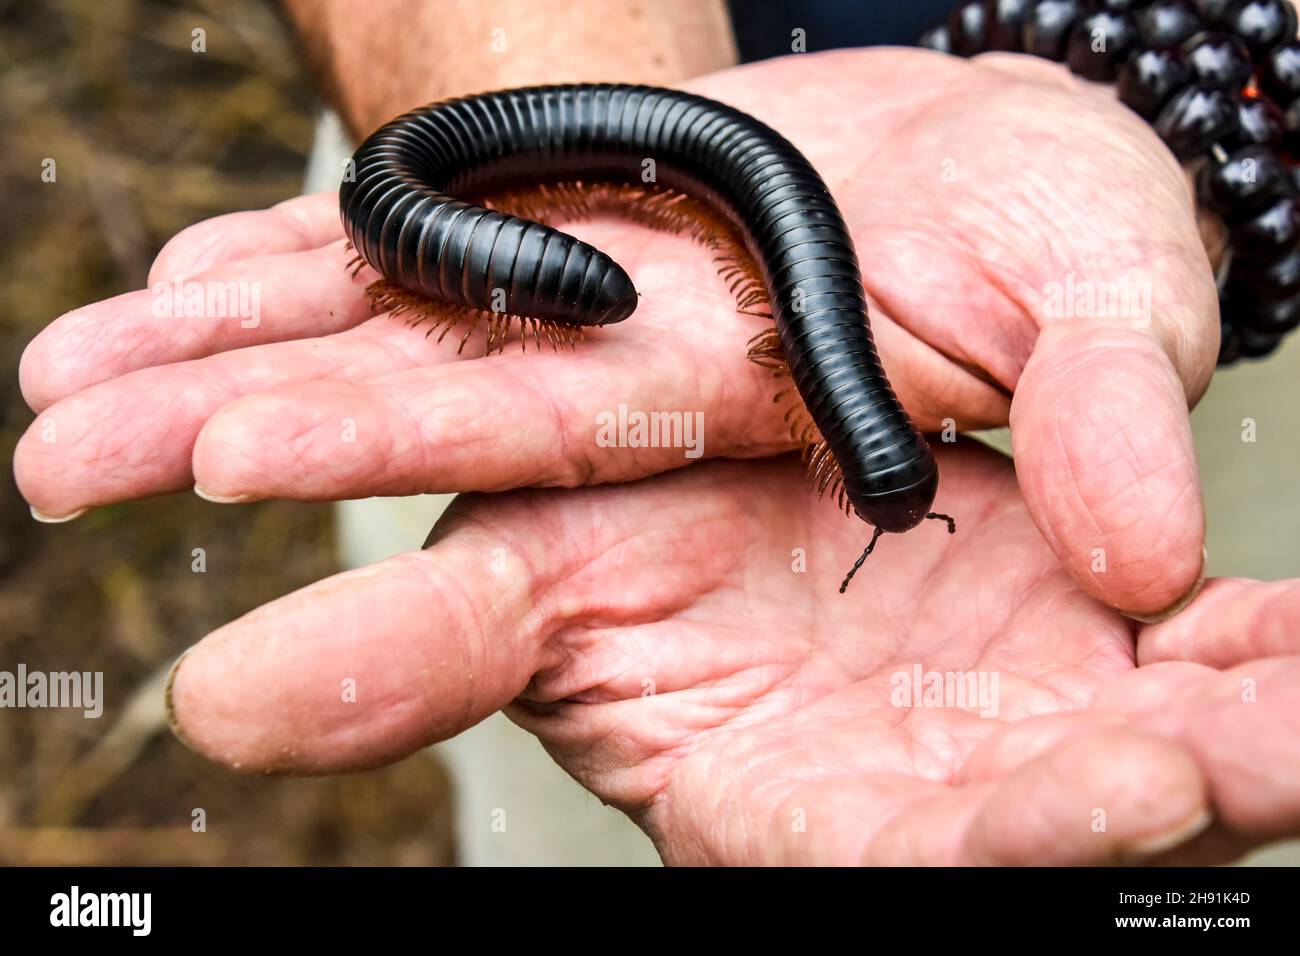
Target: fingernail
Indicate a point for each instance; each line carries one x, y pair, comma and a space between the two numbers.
43, 518
1182, 602
1176, 836
171, 704
220, 499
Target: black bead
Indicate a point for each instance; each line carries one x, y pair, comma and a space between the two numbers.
1219, 59
1271, 233
1252, 344
968, 28
1196, 119
1272, 318
1168, 23
1279, 74
1263, 24
1228, 342
1119, 6
1291, 129
1253, 283
937, 38
1259, 123
1048, 26
1006, 22
1149, 77
1213, 12
1099, 45
1244, 185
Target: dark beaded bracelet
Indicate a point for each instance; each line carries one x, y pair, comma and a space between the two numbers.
1166, 24
1271, 234
966, 26
1262, 24
1213, 12
1252, 284
1006, 23
1259, 123
1120, 6
1279, 74
1150, 78
1048, 27
1219, 81
1099, 45
1195, 119
1221, 60
1242, 184
1252, 344
1275, 318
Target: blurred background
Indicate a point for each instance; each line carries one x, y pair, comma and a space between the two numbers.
113, 92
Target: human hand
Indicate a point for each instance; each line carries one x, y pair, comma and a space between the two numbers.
1050, 182
660, 643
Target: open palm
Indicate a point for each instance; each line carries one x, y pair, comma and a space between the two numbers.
970, 188
680, 647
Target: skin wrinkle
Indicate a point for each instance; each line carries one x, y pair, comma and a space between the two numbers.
1154, 583
126, 452
476, 658
949, 350
934, 408
470, 663
1109, 532
1074, 481
950, 858
289, 214
419, 425
424, 448
911, 119
565, 470
640, 750
580, 609
975, 255
688, 625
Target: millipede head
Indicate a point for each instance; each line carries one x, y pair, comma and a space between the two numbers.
900, 509
875, 536
616, 299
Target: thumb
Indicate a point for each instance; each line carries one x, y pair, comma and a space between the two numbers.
1104, 455
365, 667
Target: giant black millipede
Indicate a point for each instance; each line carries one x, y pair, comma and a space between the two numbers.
739, 186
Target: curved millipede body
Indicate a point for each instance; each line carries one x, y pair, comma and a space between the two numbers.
400, 211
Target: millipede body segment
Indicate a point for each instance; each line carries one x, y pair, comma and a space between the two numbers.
401, 212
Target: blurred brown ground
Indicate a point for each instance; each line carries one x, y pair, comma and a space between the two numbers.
150, 137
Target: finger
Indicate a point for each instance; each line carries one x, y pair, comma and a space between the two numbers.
430, 642
362, 668
502, 422
509, 421
232, 306
295, 225
1242, 726
1231, 622
134, 436
1023, 741
1100, 798
1104, 454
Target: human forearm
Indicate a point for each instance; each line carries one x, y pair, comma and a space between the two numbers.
382, 57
